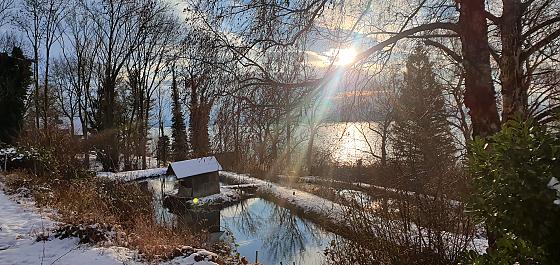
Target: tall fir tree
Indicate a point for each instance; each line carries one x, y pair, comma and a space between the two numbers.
179, 145
422, 139
15, 79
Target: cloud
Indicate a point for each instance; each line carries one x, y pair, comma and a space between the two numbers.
317, 59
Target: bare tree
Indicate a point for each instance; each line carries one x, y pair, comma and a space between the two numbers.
146, 70
78, 56
120, 28
29, 20
5, 8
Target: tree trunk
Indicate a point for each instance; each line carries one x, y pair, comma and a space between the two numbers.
480, 96
46, 93
36, 83
110, 160
384, 138
200, 118
513, 92
310, 149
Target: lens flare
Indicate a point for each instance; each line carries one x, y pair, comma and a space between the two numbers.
346, 56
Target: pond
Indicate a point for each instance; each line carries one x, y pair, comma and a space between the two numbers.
252, 225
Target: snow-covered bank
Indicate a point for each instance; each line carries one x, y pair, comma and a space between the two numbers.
226, 195
134, 175
360, 185
308, 202
22, 224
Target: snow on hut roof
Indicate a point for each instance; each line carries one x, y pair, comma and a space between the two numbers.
193, 167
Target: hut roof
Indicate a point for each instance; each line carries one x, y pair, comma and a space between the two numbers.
193, 167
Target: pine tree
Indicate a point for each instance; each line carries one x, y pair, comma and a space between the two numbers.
422, 144
163, 149
15, 78
179, 146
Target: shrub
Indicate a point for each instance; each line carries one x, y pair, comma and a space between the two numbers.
511, 196
54, 154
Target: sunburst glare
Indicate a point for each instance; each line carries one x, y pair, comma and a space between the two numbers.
346, 56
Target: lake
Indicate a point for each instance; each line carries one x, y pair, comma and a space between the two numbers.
346, 142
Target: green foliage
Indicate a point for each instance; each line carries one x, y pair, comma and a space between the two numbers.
511, 173
15, 78
510, 249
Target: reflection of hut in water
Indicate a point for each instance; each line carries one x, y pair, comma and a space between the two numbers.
196, 177
198, 220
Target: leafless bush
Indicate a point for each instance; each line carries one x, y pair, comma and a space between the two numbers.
54, 153
404, 227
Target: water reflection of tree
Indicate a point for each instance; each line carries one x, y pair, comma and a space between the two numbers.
160, 187
246, 222
283, 234
288, 234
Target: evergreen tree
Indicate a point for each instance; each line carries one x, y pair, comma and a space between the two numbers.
163, 149
15, 78
422, 144
179, 146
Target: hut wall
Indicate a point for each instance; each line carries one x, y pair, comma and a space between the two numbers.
205, 184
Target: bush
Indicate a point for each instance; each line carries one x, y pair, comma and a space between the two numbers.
511, 194
509, 250
54, 154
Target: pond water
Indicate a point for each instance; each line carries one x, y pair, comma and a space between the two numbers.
252, 225
278, 235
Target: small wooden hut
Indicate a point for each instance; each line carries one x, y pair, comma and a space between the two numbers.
196, 177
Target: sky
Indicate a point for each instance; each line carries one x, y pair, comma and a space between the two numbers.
320, 53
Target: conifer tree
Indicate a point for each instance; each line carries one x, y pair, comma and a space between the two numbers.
15, 78
179, 146
422, 141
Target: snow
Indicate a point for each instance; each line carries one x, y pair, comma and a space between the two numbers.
22, 223
314, 179
20, 226
12, 154
554, 184
193, 167
227, 194
134, 175
306, 201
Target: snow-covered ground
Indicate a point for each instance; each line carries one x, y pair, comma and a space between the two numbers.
315, 179
134, 175
227, 194
21, 223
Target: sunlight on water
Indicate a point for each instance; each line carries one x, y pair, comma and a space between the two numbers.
345, 141
348, 142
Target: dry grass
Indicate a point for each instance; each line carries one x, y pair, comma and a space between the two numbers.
124, 208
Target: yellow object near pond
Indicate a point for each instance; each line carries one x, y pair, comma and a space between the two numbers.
195, 200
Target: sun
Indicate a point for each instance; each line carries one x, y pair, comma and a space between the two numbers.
346, 56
